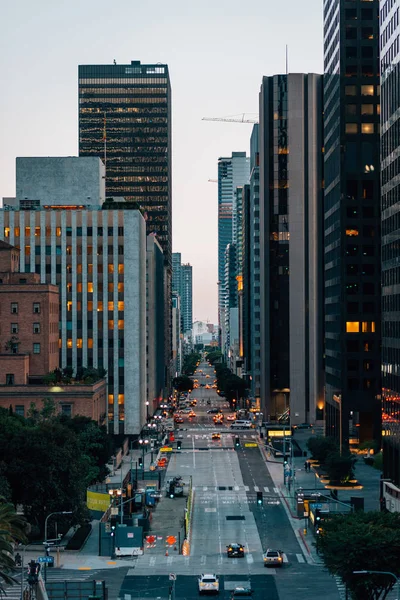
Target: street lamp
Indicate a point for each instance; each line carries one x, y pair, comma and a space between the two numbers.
147, 410
143, 443
382, 573
59, 512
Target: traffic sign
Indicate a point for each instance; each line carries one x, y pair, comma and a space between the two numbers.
165, 449
46, 559
251, 445
172, 576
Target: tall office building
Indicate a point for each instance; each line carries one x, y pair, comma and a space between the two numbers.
125, 119
390, 192
176, 272
186, 297
254, 358
97, 257
352, 220
290, 143
233, 172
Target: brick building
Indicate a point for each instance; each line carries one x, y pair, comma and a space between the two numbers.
29, 345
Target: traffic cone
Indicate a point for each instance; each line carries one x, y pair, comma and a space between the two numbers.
166, 552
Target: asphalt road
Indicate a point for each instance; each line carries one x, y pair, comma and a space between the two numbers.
226, 481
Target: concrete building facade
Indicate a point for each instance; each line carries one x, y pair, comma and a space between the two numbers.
97, 258
187, 297
290, 145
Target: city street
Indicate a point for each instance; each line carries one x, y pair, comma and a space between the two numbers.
226, 481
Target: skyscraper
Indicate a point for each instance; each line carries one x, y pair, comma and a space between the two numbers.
233, 172
176, 272
125, 119
290, 142
390, 165
352, 219
186, 297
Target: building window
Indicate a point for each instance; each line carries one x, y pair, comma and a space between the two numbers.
20, 410
120, 269
10, 379
367, 90
36, 308
367, 128
351, 90
36, 328
14, 308
66, 409
367, 109
14, 327
90, 288
351, 232
368, 327
352, 327
36, 348
351, 128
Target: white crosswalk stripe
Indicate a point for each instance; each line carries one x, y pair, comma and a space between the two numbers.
300, 558
204, 560
266, 489
256, 488
246, 488
341, 588
276, 490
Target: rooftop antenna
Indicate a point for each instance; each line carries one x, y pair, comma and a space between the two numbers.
115, 62
287, 59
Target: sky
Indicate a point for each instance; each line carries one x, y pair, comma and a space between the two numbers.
217, 52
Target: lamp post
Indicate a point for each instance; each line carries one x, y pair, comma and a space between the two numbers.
58, 512
382, 573
147, 410
143, 443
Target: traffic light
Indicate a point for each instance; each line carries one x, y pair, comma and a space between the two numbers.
237, 442
33, 572
179, 445
113, 521
259, 498
140, 461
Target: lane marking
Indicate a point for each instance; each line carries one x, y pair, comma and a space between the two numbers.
256, 488
246, 488
266, 489
300, 558
276, 490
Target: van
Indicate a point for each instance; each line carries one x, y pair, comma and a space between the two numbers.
241, 424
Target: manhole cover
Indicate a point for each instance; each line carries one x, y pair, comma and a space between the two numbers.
235, 518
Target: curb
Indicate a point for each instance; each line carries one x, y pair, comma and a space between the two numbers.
304, 542
289, 507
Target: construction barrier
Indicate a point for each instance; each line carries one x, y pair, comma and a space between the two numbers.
185, 548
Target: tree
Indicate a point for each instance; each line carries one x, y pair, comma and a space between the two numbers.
340, 468
321, 447
362, 541
214, 357
235, 387
12, 530
183, 383
190, 363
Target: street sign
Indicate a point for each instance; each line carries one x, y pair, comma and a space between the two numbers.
251, 445
172, 576
165, 449
46, 559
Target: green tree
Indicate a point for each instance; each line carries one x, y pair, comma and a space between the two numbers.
235, 387
362, 541
321, 447
340, 468
183, 383
12, 531
214, 357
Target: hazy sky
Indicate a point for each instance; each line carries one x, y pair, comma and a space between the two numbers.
217, 52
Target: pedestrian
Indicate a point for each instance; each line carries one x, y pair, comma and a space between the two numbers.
306, 466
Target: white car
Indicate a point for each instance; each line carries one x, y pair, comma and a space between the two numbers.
273, 558
208, 584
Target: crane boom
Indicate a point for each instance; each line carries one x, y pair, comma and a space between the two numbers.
233, 119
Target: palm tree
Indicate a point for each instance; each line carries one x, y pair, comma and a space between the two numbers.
12, 530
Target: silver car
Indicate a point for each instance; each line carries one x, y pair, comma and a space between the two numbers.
208, 583
273, 558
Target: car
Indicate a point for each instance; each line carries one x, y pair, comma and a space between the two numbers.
218, 417
192, 414
235, 550
216, 436
212, 411
179, 420
208, 583
193, 402
187, 410
231, 418
239, 593
207, 387
273, 558
302, 426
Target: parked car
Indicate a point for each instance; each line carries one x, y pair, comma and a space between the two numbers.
212, 411
302, 426
241, 593
216, 436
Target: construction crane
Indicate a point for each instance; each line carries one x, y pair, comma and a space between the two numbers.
232, 119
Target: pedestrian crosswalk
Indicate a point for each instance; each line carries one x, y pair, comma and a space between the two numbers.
341, 588
236, 488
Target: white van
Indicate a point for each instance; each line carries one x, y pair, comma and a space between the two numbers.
241, 424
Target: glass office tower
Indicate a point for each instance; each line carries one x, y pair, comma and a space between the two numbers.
125, 119
390, 165
352, 219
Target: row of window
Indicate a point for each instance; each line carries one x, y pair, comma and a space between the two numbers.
15, 308
15, 327
49, 231
89, 306
66, 409
360, 327
366, 128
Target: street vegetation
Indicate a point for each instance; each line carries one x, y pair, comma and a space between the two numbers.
47, 462
339, 467
12, 531
362, 542
229, 385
